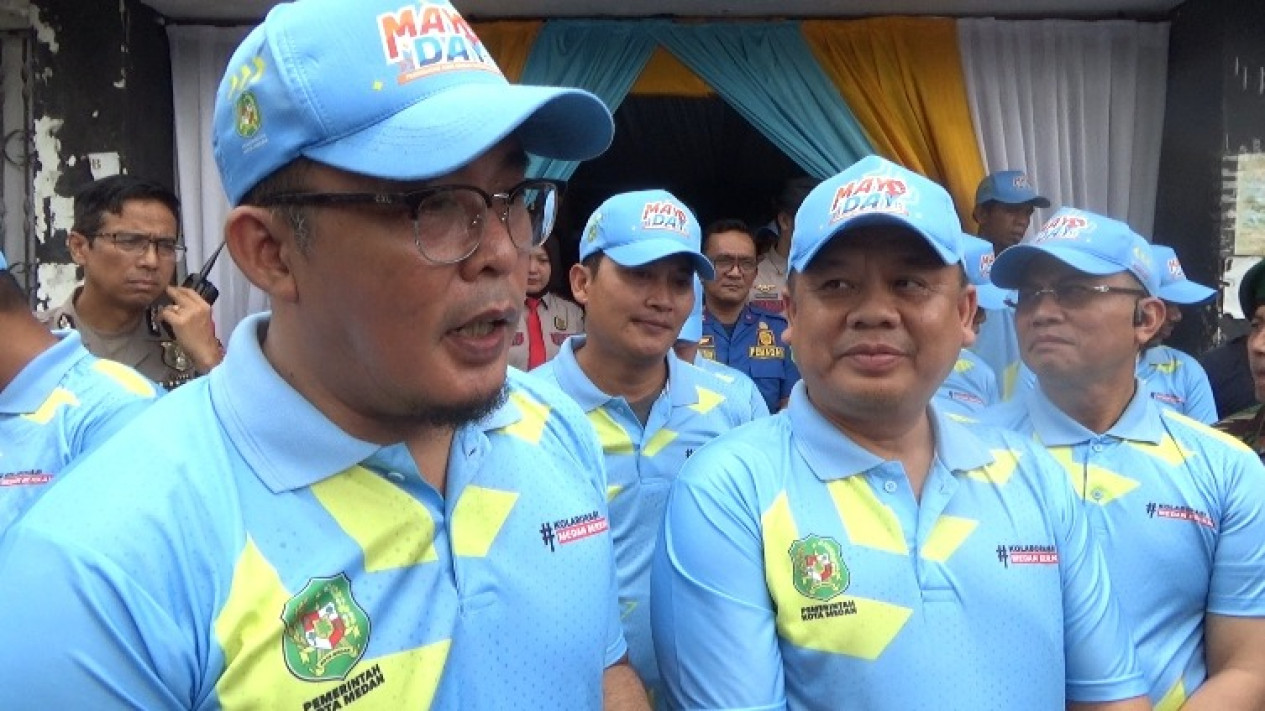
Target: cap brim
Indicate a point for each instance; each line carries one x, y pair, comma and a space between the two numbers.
1010, 265
871, 220
1186, 292
990, 297
448, 130
645, 251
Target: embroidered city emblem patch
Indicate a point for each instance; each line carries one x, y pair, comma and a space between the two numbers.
248, 118
326, 630
817, 567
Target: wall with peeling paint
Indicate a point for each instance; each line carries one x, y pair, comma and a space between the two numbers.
1215, 107
101, 83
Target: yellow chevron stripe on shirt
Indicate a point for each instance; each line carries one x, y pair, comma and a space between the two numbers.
612, 491
1174, 698
612, 435
947, 535
658, 441
1093, 483
1168, 450
392, 528
708, 400
867, 520
962, 365
535, 415
1204, 429
129, 379
477, 518
61, 397
998, 471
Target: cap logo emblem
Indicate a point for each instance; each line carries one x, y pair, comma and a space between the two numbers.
665, 215
427, 38
1021, 182
870, 194
986, 264
247, 116
1175, 269
1063, 227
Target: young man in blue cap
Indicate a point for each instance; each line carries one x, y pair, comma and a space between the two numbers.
57, 401
1163, 492
971, 385
1175, 378
639, 255
854, 548
1004, 204
357, 505
738, 333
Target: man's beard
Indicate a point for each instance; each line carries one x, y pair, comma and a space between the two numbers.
460, 414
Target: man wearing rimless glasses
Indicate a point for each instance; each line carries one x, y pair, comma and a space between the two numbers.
1178, 507
125, 238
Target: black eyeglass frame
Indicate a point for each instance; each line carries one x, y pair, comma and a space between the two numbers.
164, 245
413, 202
1060, 294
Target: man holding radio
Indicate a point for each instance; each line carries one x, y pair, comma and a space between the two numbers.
126, 239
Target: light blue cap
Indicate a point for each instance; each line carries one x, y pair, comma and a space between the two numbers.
637, 228
1084, 241
876, 191
1011, 187
399, 91
1174, 286
977, 259
692, 331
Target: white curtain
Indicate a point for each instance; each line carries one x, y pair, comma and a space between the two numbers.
1078, 105
198, 58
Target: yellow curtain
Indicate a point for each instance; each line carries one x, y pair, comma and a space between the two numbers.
508, 43
664, 75
902, 77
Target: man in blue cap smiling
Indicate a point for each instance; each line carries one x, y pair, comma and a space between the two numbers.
1162, 491
357, 505
851, 549
639, 256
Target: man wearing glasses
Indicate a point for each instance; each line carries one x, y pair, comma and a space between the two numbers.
359, 505
1177, 506
125, 237
739, 334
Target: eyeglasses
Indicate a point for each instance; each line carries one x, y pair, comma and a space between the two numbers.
136, 243
723, 264
448, 220
1072, 296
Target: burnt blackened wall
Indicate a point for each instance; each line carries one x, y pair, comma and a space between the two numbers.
101, 84
1215, 107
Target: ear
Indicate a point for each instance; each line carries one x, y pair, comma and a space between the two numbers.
264, 249
785, 222
1149, 319
977, 214
78, 245
581, 281
789, 311
968, 302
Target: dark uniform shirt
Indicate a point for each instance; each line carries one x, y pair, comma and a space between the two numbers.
755, 347
1247, 426
146, 348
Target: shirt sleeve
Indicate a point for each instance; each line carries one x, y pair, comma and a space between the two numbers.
1101, 654
712, 619
1238, 566
80, 629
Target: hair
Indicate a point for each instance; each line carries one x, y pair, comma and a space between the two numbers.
12, 297
727, 224
109, 195
793, 194
289, 178
592, 262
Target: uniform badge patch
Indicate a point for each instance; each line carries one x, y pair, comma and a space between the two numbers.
817, 567
326, 630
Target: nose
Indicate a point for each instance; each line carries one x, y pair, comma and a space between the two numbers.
149, 255
874, 308
497, 250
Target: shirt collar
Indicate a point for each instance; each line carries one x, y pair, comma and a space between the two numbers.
576, 383
1139, 422
39, 378
833, 455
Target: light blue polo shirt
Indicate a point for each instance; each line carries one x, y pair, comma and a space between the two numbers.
740, 384
641, 464
63, 404
969, 388
1179, 509
1178, 382
256, 556
796, 569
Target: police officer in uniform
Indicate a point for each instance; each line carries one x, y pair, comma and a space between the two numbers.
125, 237
739, 334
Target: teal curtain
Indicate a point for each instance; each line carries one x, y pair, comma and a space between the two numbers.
767, 72
604, 57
